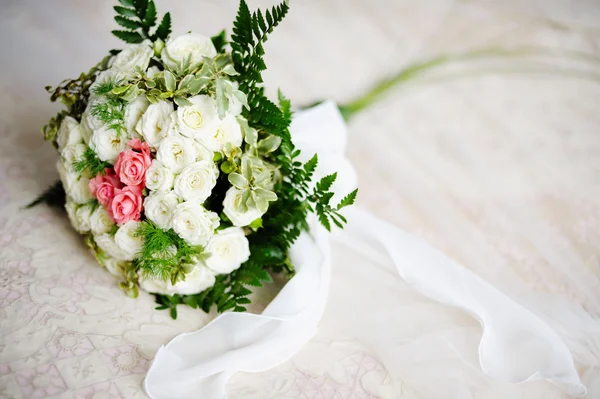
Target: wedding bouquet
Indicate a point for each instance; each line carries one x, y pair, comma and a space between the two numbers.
178, 170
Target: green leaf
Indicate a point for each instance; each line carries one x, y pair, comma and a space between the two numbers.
120, 89
347, 200
196, 85
140, 8
54, 196
127, 23
127, 3
324, 220
237, 180
222, 100
326, 182
164, 29
219, 41
127, 36
126, 12
182, 101
173, 313
170, 82
150, 17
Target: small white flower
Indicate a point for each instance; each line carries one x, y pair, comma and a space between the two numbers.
112, 265
196, 181
159, 208
108, 245
228, 249
193, 223
178, 48
78, 215
69, 133
176, 152
132, 56
133, 114
127, 241
100, 221
232, 209
72, 153
195, 120
75, 185
107, 144
159, 178
196, 281
155, 122
222, 132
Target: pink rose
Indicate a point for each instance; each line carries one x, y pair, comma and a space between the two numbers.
132, 164
103, 186
126, 205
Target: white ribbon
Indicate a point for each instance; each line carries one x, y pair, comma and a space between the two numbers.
516, 345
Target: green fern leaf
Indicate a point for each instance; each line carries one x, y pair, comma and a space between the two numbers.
127, 23
164, 29
347, 200
128, 36
126, 12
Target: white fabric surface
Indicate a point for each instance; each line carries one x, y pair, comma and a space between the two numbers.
498, 170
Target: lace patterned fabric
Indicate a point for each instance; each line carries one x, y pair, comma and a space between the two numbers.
499, 171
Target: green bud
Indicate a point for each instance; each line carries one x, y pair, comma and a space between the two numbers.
256, 224
227, 167
158, 47
217, 157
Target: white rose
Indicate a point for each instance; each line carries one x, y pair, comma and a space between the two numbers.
176, 152
108, 245
78, 215
203, 153
231, 208
107, 144
196, 281
75, 185
109, 76
133, 56
72, 153
112, 265
222, 132
196, 181
69, 133
159, 208
228, 249
133, 114
155, 122
127, 241
88, 124
178, 48
100, 221
193, 223
159, 178
195, 120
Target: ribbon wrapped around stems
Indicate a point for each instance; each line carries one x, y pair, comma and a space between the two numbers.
516, 345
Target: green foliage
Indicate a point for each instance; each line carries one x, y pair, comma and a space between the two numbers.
90, 163
74, 94
220, 41
250, 32
165, 255
54, 196
138, 17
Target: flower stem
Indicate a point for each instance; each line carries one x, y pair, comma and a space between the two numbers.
413, 71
